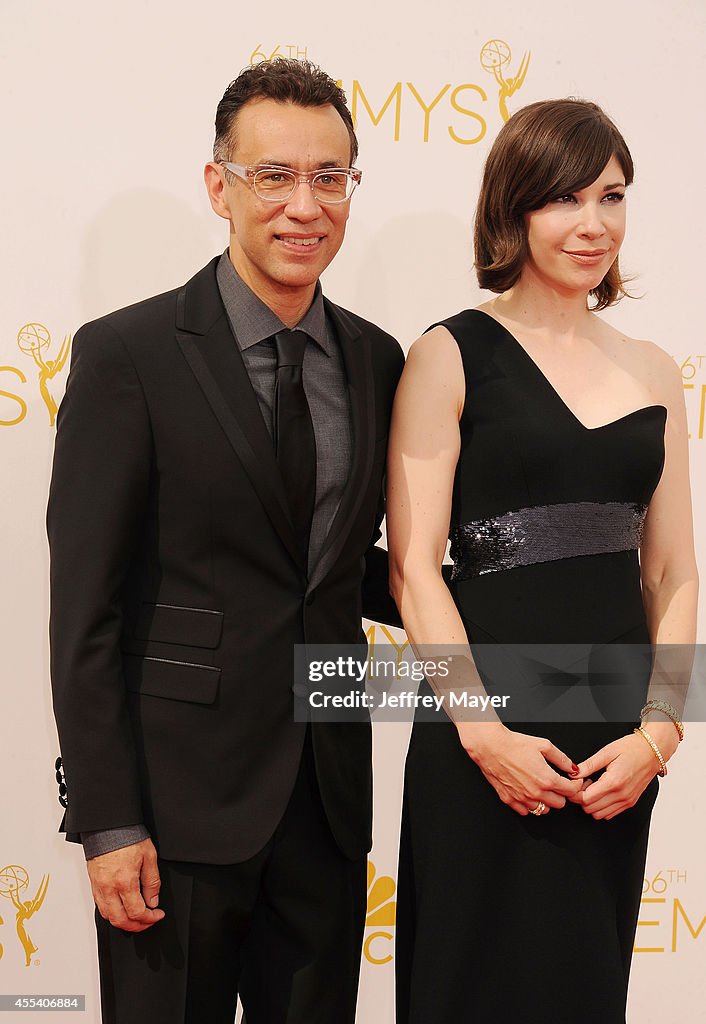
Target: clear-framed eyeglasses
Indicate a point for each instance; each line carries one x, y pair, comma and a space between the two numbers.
277, 184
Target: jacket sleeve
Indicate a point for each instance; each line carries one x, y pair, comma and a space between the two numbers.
95, 518
378, 604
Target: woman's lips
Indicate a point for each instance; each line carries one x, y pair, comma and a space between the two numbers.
587, 257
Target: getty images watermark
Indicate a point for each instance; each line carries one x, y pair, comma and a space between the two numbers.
390, 670
514, 682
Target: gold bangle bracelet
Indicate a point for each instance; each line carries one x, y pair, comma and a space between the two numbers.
655, 750
668, 710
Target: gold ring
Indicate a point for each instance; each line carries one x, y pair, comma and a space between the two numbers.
539, 809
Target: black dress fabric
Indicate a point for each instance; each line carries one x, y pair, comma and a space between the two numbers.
504, 918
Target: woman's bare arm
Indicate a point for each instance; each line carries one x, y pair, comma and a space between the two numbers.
423, 451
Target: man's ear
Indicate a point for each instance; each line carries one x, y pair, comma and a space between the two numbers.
215, 186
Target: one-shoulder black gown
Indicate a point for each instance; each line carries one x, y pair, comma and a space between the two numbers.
505, 918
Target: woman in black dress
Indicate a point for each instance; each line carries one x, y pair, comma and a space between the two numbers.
552, 450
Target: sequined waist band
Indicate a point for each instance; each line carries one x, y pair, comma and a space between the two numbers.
544, 533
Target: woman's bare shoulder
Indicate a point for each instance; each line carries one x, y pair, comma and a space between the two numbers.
434, 364
436, 352
662, 372
657, 369
437, 341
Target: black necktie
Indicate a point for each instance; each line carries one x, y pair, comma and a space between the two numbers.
295, 444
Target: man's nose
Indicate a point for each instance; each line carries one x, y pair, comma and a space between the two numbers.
303, 204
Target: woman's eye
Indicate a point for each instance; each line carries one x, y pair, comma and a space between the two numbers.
614, 197
562, 199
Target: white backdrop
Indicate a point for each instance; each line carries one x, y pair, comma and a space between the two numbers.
108, 113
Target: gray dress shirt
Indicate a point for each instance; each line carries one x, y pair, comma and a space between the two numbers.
324, 380
323, 377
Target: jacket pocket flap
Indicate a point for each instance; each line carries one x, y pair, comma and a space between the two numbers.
176, 680
172, 624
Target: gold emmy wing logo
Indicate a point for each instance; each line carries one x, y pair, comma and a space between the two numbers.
34, 340
13, 881
381, 913
494, 56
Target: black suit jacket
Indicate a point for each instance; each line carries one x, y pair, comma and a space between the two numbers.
178, 590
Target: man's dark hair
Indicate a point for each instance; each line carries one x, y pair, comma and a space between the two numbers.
287, 81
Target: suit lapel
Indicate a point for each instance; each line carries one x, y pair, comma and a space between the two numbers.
206, 340
355, 348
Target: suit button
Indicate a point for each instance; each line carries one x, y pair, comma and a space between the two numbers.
59, 769
310, 599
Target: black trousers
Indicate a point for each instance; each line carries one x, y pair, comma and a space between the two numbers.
283, 930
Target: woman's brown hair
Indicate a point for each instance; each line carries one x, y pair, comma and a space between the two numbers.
547, 149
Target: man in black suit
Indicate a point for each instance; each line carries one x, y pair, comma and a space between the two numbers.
215, 500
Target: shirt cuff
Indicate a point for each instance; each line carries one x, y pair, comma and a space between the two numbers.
109, 839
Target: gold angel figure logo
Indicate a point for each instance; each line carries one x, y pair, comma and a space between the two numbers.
494, 56
381, 913
14, 880
34, 340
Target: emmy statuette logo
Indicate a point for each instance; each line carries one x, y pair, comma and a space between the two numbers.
494, 56
14, 882
34, 340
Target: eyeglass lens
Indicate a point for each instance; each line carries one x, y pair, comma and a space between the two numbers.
328, 186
